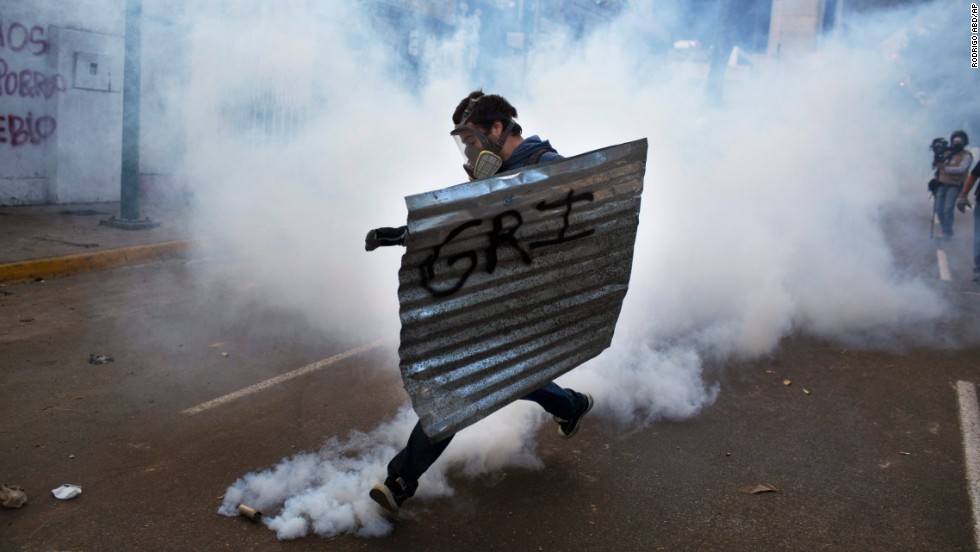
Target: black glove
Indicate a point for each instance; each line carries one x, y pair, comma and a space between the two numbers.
385, 236
963, 203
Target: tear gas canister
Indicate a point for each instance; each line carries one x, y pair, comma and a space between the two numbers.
249, 512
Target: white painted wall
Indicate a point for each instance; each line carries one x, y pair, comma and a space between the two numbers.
76, 49
795, 26
85, 158
60, 134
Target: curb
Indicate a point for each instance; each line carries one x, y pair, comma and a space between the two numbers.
53, 267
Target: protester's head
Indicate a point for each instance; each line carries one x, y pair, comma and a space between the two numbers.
484, 111
485, 132
958, 140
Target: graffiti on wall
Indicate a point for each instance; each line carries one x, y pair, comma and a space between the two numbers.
19, 131
28, 83
17, 42
16, 37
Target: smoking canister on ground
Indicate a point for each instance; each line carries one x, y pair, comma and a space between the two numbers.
249, 512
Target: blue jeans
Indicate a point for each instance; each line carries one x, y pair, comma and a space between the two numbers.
976, 237
946, 205
419, 453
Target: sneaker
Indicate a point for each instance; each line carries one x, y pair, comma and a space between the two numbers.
567, 428
390, 494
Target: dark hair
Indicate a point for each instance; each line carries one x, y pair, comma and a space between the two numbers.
966, 139
488, 109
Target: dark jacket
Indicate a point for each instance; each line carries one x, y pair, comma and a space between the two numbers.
523, 152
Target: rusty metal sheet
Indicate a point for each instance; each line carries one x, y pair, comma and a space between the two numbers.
509, 282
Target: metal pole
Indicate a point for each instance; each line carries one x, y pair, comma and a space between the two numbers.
129, 205
727, 16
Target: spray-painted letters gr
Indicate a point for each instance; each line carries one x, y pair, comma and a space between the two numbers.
18, 38
501, 235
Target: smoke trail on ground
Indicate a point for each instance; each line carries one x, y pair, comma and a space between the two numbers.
762, 216
327, 492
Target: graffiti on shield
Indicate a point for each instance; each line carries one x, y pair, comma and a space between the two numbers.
509, 282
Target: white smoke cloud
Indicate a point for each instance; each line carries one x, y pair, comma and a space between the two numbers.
327, 492
761, 217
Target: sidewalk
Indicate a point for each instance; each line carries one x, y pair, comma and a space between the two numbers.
47, 241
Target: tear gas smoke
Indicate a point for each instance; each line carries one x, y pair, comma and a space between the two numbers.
327, 492
761, 217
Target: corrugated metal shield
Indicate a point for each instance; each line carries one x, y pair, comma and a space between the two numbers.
509, 282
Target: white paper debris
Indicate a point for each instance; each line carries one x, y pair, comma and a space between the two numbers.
66, 491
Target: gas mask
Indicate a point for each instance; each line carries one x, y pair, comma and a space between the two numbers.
957, 141
481, 155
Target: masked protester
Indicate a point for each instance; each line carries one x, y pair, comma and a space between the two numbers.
963, 203
951, 171
490, 139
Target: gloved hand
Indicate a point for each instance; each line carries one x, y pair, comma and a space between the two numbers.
963, 203
385, 236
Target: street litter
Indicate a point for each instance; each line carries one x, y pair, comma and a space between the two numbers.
99, 359
66, 491
249, 512
903, 453
787, 382
12, 497
806, 391
763, 488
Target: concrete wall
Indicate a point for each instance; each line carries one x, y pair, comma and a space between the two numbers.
85, 159
60, 113
163, 81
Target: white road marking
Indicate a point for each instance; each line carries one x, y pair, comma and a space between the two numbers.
279, 379
943, 265
970, 426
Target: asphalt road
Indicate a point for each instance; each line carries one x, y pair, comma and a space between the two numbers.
870, 459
